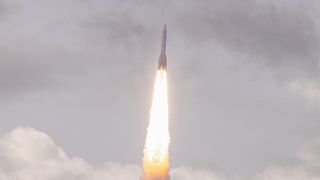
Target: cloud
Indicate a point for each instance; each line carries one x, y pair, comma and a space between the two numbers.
308, 168
310, 89
298, 173
277, 31
281, 34
26, 153
184, 173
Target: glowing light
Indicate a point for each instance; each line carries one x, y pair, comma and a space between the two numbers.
156, 151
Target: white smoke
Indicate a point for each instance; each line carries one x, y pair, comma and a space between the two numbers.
27, 154
184, 173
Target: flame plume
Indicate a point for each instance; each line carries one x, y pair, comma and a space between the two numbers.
156, 151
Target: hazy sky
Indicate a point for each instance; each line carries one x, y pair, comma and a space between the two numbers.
244, 85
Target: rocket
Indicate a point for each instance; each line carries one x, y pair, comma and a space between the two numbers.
162, 63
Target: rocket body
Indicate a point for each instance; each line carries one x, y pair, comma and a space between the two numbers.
162, 63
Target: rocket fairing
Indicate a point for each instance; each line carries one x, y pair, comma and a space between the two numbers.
162, 64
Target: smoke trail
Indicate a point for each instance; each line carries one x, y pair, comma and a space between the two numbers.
156, 151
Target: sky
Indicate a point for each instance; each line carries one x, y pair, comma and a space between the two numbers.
76, 80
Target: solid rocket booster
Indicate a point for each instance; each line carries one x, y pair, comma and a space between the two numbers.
162, 64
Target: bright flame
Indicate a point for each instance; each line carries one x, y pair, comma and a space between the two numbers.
156, 151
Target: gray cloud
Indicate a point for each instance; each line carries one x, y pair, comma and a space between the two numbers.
272, 30
282, 35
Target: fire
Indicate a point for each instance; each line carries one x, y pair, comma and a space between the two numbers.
156, 151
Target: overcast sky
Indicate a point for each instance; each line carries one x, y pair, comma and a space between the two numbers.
244, 85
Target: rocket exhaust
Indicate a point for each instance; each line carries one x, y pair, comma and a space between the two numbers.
155, 163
